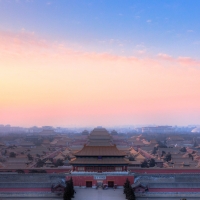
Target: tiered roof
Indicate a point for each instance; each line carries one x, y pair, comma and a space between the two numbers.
104, 160
99, 137
99, 151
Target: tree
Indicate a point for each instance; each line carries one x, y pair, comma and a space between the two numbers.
33, 171
163, 153
42, 171
183, 149
161, 145
131, 158
20, 171
154, 150
40, 163
59, 162
38, 155
152, 163
71, 184
12, 155
130, 193
67, 192
126, 185
37, 171
30, 157
168, 157
190, 156
144, 164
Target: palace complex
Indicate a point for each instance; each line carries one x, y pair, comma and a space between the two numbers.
156, 167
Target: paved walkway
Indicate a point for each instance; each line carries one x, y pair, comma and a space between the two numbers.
93, 194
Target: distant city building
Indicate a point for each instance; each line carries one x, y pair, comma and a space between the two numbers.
34, 129
196, 130
113, 132
11, 129
158, 129
47, 128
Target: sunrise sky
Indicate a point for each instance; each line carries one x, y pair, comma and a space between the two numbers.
99, 62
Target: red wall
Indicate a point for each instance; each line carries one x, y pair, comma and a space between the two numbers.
81, 180
165, 171
137, 170
52, 170
25, 189
174, 189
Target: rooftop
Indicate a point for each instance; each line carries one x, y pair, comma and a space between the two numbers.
104, 160
100, 151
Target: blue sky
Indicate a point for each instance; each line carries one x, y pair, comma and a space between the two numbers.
117, 26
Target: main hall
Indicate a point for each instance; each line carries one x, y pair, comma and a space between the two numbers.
100, 154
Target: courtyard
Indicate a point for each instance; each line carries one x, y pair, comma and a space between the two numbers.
99, 194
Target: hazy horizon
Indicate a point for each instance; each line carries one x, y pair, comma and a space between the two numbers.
103, 126
68, 63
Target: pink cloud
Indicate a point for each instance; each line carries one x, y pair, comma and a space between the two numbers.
165, 56
188, 61
21, 44
26, 44
183, 61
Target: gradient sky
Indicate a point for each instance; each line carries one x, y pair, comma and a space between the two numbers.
100, 62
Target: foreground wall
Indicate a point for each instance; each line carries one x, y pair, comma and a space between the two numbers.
169, 183
168, 195
28, 182
81, 180
131, 169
